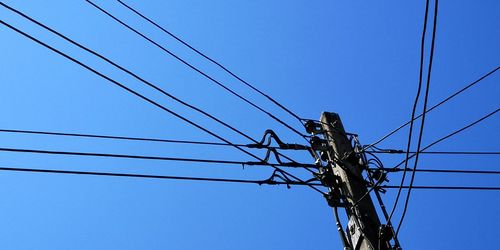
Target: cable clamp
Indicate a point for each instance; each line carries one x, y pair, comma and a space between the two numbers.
267, 140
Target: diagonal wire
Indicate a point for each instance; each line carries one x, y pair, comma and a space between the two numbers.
452, 134
209, 59
197, 70
144, 98
137, 77
396, 169
437, 105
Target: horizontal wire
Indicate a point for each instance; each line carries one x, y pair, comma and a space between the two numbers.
119, 137
143, 157
260, 182
211, 60
447, 187
458, 171
147, 176
436, 105
20, 131
396, 151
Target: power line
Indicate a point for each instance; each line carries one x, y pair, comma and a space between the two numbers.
196, 69
154, 86
144, 98
398, 151
256, 146
143, 157
414, 109
259, 182
135, 76
438, 141
210, 59
424, 109
120, 137
437, 105
446, 188
444, 171
117, 137
453, 133
147, 176
455, 171
129, 73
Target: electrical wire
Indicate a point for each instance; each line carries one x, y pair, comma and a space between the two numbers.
145, 98
422, 125
120, 137
197, 70
209, 59
415, 103
398, 151
456, 171
259, 182
452, 134
257, 145
269, 148
396, 168
143, 157
147, 176
446, 188
154, 86
437, 105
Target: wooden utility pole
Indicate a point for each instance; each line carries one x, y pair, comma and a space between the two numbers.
348, 188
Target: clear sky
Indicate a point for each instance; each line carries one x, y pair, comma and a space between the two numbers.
357, 58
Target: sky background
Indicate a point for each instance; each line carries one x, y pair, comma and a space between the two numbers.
357, 58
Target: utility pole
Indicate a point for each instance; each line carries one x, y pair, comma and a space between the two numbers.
347, 188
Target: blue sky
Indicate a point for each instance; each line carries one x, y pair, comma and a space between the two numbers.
357, 58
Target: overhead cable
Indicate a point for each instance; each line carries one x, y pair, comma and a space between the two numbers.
143, 157
196, 69
438, 104
209, 59
148, 176
398, 151
118, 137
447, 188
414, 109
431, 170
259, 182
143, 97
422, 125
154, 86
452, 134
